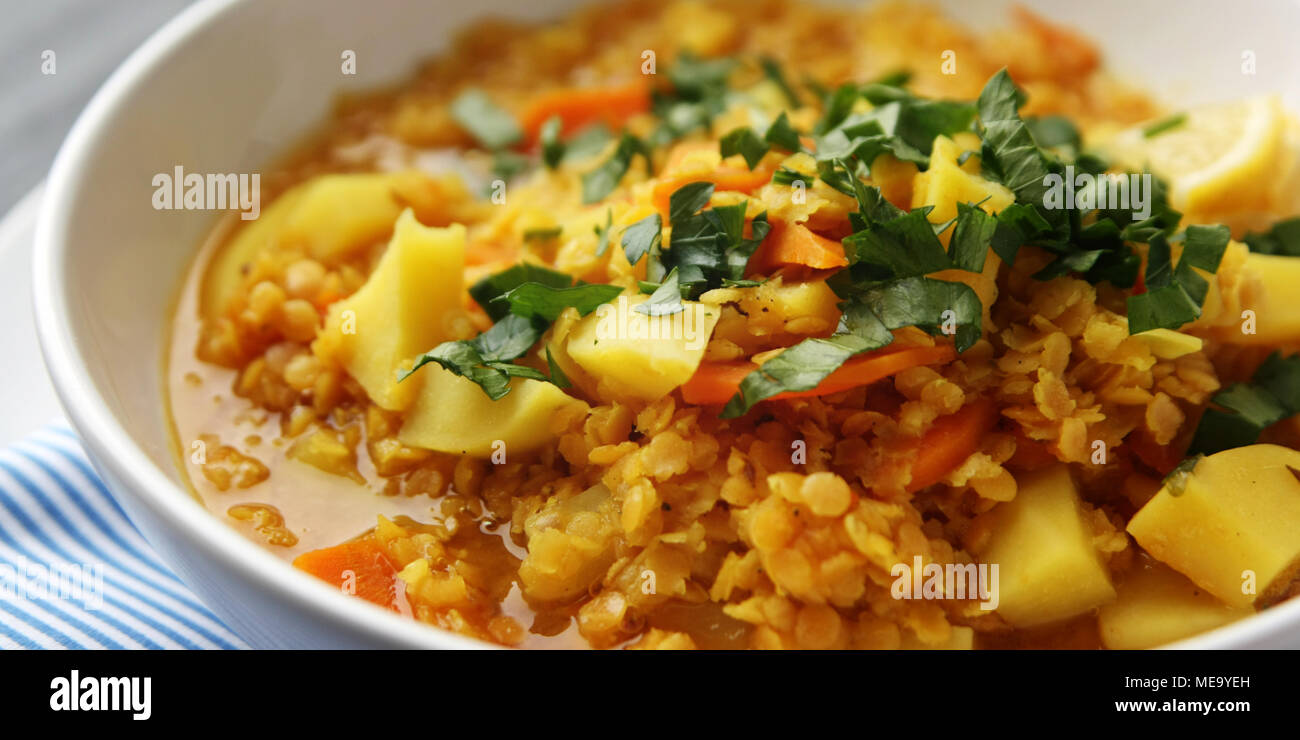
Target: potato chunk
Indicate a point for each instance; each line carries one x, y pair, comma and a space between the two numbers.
406, 307
1157, 605
454, 415
632, 355
945, 184
1234, 527
1048, 568
338, 214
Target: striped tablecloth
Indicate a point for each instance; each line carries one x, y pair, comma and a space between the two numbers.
74, 572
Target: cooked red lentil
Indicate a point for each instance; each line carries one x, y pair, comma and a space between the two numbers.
758, 325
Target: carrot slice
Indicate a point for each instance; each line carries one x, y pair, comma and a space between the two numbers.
950, 440
361, 567
724, 178
796, 245
579, 107
717, 382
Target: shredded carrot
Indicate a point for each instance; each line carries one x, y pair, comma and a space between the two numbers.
360, 567
790, 245
717, 382
725, 178
950, 440
579, 107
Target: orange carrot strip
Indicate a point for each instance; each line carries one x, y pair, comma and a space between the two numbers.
726, 177
796, 245
717, 382
361, 563
579, 107
950, 440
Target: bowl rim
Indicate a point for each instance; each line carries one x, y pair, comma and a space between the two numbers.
104, 435
115, 451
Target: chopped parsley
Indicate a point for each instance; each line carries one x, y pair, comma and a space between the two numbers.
552, 145
523, 300
491, 126
1242, 411
1165, 124
1282, 239
1174, 295
601, 181
746, 143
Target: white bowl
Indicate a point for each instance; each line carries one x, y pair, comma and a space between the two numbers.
229, 84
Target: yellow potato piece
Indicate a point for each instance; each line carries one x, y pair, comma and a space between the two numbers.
632, 355
945, 185
406, 307
1264, 285
339, 214
1048, 569
1157, 606
1234, 528
454, 415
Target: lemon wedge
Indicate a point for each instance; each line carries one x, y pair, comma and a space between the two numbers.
1221, 161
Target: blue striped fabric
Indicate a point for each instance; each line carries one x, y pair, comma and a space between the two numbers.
74, 572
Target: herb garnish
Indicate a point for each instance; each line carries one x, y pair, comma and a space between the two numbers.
1242, 411
490, 125
523, 300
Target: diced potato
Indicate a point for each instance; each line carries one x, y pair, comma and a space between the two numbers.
1156, 606
224, 275
1238, 513
632, 355
1048, 568
945, 185
962, 638
1265, 285
406, 307
1168, 344
339, 214
804, 300
454, 415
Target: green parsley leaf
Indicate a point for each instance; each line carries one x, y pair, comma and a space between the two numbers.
689, 199
1164, 124
490, 125
971, 238
781, 134
642, 238
745, 142
1010, 153
602, 233
543, 235
666, 300
602, 181
486, 359
532, 300
486, 291
1283, 238
552, 146
557, 375
772, 71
